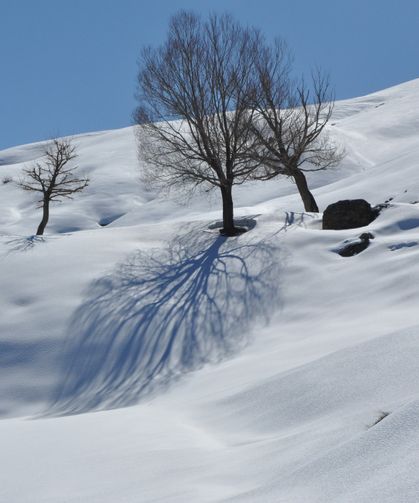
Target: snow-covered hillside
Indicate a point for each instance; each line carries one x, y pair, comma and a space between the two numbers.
255, 368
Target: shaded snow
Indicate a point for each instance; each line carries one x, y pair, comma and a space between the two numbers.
257, 366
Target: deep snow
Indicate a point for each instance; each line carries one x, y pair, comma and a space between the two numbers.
255, 367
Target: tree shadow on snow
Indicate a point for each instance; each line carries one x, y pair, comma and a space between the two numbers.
292, 218
165, 313
24, 243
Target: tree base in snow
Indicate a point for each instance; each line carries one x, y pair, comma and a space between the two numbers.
241, 225
235, 232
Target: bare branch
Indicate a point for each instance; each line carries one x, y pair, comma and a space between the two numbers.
290, 122
193, 115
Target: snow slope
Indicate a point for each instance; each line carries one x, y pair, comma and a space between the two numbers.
254, 368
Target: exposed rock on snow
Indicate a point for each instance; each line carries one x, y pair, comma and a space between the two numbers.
348, 214
349, 249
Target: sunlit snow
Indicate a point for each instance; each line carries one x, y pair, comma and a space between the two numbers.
145, 358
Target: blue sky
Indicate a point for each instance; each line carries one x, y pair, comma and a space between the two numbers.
69, 66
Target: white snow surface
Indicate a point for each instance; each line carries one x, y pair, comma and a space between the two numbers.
145, 358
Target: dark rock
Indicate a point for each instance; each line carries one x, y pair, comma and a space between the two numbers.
348, 214
351, 249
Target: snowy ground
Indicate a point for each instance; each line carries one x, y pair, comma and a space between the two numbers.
293, 355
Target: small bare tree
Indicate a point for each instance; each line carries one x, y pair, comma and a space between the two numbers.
291, 121
193, 115
53, 177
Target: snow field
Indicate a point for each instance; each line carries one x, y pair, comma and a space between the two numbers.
295, 351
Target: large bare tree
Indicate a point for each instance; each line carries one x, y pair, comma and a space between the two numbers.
291, 121
193, 114
53, 177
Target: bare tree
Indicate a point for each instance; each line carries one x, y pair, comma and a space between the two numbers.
53, 178
193, 115
291, 121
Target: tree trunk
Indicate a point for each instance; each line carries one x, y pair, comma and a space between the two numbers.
45, 217
307, 197
228, 222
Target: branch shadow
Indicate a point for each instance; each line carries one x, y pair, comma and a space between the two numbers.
24, 243
162, 314
293, 218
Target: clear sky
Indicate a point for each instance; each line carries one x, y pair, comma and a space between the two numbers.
69, 66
